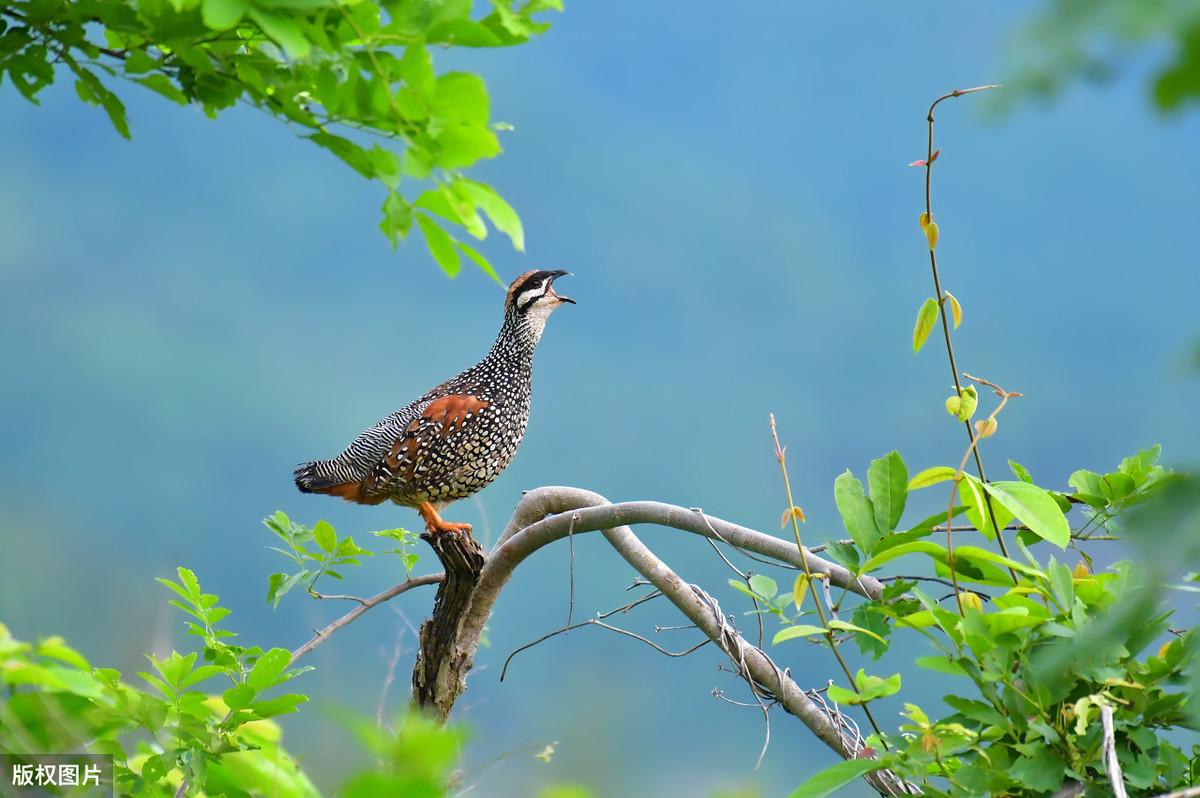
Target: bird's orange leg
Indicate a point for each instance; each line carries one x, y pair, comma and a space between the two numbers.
434, 524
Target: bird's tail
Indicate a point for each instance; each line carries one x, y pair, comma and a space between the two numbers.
316, 477
324, 476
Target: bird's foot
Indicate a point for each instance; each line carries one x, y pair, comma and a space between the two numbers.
434, 524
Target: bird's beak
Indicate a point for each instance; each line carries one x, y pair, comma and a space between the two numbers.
554, 275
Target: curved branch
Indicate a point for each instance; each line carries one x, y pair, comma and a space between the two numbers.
573, 510
578, 511
366, 604
752, 664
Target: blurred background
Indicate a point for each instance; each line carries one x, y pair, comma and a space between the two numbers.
185, 317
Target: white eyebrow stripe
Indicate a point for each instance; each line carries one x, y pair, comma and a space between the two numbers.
531, 294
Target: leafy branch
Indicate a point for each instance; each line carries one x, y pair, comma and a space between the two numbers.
335, 72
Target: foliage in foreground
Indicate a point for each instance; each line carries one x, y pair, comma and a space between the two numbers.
338, 72
1036, 650
206, 723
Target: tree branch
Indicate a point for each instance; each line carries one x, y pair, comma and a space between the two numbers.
759, 670
529, 529
393, 591
1111, 764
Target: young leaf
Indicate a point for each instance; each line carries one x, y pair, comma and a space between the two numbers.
888, 480
858, 514
789, 514
931, 233
926, 317
324, 536
799, 590
931, 476
955, 308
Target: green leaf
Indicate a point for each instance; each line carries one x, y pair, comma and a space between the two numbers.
200, 674
463, 145
461, 98
983, 555
190, 583
446, 204
1139, 466
278, 705
353, 155
941, 665
284, 30
834, 778
441, 245
740, 587
223, 14
397, 218
91, 90
386, 166
979, 514
479, 261
938, 554
931, 476
856, 510
926, 317
239, 696
1035, 508
268, 669
849, 627
502, 215
1041, 772
869, 689
324, 536
792, 632
888, 480
764, 586
161, 84
1020, 471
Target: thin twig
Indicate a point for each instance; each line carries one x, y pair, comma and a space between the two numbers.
937, 286
395, 590
336, 596
602, 625
652, 595
781, 456
571, 569
393, 660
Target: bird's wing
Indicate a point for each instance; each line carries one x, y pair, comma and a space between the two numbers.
437, 421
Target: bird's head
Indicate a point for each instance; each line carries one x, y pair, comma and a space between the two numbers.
532, 298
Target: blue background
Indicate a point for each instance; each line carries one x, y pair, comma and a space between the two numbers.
184, 318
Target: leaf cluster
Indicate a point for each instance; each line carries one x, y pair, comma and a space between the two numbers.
1036, 658
354, 77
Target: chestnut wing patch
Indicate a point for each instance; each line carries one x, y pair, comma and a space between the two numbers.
440, 417
452, 411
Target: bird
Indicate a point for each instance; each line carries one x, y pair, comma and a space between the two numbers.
457, 438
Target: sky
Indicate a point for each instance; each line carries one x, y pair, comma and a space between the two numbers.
186, 316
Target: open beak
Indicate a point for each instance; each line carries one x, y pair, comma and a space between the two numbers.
554, 275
